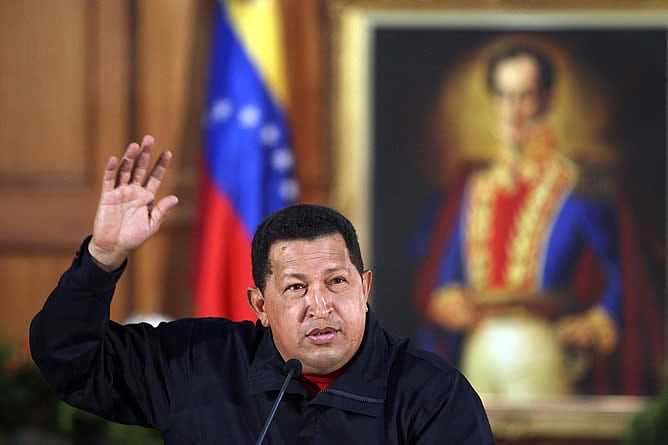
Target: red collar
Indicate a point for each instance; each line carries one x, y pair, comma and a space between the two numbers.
315, 383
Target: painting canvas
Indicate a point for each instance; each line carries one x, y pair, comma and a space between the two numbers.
549, 224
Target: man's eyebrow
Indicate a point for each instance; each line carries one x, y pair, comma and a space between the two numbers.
336, 269
297, 275
302, 276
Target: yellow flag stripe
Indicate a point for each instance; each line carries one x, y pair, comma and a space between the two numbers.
258, 25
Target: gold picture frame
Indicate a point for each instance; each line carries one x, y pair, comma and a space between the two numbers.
355, 26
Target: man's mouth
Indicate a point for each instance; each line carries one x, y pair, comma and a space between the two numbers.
321, 336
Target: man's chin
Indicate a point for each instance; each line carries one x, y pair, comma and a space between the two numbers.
322, 364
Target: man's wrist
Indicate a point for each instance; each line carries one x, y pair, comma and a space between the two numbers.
105, 260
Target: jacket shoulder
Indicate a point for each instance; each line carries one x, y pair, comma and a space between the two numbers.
430, 393
422, 369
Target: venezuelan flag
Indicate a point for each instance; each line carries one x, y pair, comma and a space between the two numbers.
247, 164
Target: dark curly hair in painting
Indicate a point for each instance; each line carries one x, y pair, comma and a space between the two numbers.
545, 65
300, 222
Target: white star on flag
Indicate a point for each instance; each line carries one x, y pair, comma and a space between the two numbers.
289, 189
220, 111
282, 159
249, 116
269, 134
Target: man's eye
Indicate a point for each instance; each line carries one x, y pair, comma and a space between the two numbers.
338, 280
294, 287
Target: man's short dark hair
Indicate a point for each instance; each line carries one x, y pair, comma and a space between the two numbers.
545, 65
300, 222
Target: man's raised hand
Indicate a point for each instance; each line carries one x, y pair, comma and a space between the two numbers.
127, 214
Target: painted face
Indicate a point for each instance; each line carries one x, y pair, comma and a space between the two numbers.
315, 302
518, 98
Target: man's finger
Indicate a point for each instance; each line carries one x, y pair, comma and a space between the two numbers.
127, 163
109, 178
158, 172
141, 165
159, 210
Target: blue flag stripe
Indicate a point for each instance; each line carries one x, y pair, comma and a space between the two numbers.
247, 150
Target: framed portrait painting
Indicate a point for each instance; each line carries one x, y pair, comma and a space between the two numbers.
506, 169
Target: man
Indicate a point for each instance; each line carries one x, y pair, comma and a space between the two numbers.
214, 381
504, 277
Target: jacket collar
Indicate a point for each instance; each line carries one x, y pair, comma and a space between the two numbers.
360, 388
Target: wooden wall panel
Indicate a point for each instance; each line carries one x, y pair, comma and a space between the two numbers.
42, 111
164, 65
64, 89
307, 111
26, 281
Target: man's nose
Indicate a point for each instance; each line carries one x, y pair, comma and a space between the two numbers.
319, 306
511, 103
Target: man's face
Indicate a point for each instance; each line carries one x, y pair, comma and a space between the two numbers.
518, 98
315, 302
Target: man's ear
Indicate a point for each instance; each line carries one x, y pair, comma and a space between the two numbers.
367, 277
256, 302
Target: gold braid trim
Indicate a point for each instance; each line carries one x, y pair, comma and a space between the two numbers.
551, 180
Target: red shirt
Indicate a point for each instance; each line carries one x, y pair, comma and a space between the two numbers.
316, 383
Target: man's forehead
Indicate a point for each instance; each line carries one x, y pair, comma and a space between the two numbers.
517, 73
520, 59
331, 247
519, 64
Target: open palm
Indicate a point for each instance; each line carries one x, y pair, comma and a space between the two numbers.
127, 214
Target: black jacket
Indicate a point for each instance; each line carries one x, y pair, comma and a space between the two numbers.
213, 381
